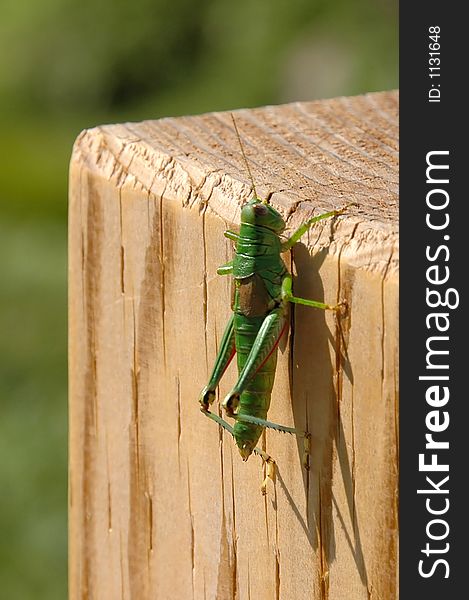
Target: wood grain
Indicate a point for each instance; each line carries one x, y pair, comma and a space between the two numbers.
161, 504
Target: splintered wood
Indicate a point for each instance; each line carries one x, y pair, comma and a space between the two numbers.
161, 504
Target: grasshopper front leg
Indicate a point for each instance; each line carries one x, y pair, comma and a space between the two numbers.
287, 296
305, 226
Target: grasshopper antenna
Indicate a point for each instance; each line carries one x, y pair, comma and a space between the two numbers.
244, 155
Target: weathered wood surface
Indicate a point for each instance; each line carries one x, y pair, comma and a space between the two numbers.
161, 504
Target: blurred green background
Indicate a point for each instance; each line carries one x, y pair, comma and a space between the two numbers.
67, 65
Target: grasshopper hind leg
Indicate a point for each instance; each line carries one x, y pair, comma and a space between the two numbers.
284, 429
271, 469
224, 357
271, 465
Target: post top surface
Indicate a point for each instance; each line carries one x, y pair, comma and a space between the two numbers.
308, 157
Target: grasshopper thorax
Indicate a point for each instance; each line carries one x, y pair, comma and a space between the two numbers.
256, 212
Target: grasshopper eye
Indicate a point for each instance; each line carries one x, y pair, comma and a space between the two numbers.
260, 210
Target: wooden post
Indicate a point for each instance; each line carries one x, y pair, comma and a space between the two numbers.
161, 504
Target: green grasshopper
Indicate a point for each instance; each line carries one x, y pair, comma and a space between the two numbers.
262, 293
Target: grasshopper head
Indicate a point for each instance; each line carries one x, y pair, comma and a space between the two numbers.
256, 212
246, 437
246, 450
